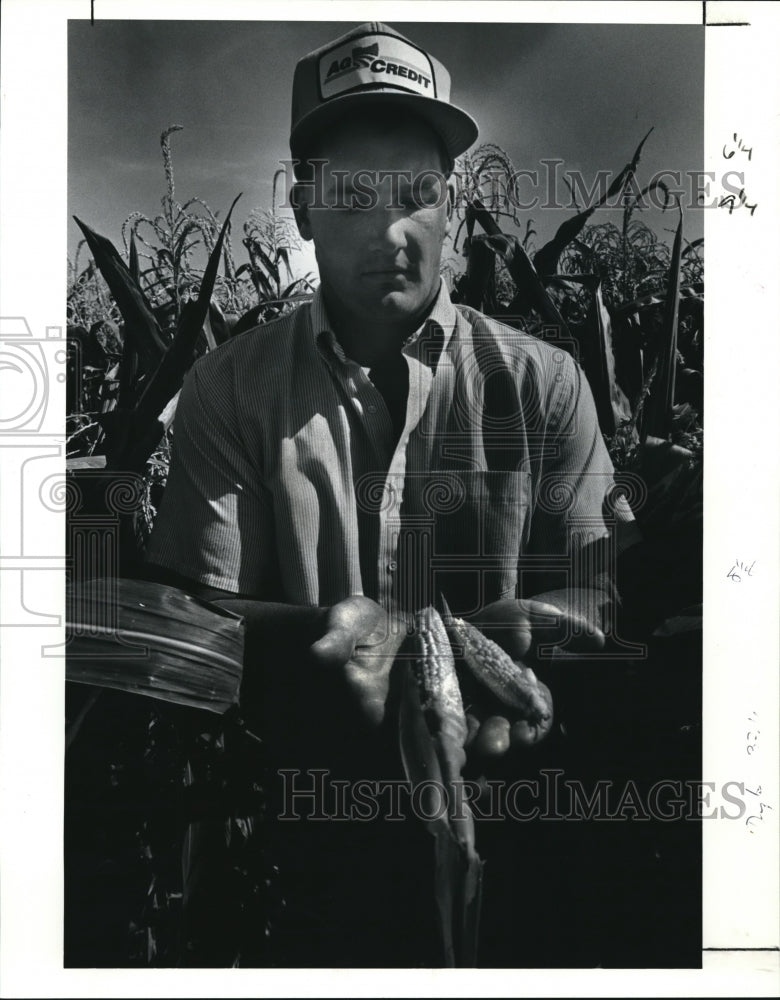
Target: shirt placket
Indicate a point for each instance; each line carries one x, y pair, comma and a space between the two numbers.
370, 407
373, 417
420, 379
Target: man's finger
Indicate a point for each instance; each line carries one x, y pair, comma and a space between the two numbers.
569, 627
516, 625
521, 626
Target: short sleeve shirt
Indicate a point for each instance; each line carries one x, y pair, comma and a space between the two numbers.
288, 482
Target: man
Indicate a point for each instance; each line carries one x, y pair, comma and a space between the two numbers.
345, 465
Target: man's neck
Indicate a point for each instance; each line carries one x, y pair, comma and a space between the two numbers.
371, 342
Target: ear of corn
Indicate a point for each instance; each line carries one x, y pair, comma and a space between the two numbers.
440, 696
433, 731
442, 707
514, 684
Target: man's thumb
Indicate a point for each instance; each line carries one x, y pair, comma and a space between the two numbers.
335, 648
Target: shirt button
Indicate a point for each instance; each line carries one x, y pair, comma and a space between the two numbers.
392, 566
371, 408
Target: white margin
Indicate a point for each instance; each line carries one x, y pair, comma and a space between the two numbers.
741, 516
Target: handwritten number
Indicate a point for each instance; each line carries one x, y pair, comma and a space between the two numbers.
732, 573
741, 147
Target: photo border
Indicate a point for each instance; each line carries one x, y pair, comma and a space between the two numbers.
741, 472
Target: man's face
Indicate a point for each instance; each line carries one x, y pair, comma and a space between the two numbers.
385, 212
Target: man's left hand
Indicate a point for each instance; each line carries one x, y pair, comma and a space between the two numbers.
568, 619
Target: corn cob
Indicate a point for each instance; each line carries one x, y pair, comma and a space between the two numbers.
445, 719
433, 732
514, 684
434, 667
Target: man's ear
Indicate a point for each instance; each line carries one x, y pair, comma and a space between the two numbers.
299, 198
452, 193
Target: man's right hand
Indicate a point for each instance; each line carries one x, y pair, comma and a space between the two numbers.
360, 645
313, 677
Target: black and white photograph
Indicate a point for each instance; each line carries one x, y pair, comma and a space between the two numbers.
387, 632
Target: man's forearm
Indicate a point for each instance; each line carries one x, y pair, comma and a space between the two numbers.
263, 620
267, 620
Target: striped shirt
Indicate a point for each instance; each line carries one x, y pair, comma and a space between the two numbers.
288, 481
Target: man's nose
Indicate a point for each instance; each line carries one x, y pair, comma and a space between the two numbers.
387, 217
386, 228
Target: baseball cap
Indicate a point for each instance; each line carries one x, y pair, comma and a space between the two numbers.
374, 62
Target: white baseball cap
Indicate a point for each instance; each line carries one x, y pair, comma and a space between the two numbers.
374, 62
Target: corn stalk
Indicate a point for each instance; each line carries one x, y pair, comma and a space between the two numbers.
658, 421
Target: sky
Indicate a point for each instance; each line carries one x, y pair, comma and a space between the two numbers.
583, 94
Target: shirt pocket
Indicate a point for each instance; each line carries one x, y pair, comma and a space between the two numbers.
478, 534
478, 512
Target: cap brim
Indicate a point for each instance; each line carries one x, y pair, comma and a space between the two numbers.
456, 127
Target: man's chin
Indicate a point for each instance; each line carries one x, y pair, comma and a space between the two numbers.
396, 305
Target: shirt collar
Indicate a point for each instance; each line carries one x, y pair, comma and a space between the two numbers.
437, 327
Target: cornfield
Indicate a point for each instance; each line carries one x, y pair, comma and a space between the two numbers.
624, 302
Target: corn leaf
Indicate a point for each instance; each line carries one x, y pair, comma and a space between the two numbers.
546, 259
249, 320
658, 420
531, 293
228, 264
265, 289
211, 340
692, 246
615, 408
154, 640
146, 429
85, 462
254, 316
289, 291
128, 371
284, 257
268, 264
168, 415
612, 405
134, 266
140, 322
217, 323
478, 283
